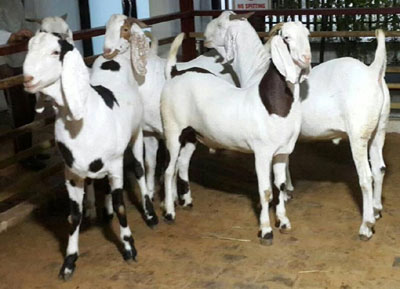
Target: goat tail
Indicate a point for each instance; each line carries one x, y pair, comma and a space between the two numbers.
173, 51
379, 63
154, 42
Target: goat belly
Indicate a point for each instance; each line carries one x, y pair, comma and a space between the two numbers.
224, 143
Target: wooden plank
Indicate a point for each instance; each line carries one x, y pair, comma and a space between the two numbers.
38, 148
12, 195
319, 34
394, 85
11, 81
167, 17
319, 11
20, 211
16, 215
26, 128
89, 33
393, 69
395, 105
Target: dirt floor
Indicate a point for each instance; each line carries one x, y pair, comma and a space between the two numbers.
322, 250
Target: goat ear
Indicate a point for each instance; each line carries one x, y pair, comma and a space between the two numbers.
230, 45
72, 81
139, 51
282, 59
241, 16
64, 16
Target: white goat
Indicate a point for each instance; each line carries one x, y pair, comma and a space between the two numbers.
263, 118
250, 68
54, 24
96, 119
247, 66
346, 98
359, 108
59, 27
150, 85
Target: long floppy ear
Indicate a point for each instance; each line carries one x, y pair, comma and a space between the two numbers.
230, 45
74, 78
139, 51
283, 60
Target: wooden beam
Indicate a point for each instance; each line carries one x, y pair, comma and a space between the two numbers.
12, 195
89, 33
187, 26
318, 34
317, 12
7, 135
38, 148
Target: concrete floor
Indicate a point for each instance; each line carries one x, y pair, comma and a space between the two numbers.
215, 245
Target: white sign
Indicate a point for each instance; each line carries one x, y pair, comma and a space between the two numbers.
251, 4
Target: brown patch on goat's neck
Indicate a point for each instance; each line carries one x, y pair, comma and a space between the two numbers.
275, 93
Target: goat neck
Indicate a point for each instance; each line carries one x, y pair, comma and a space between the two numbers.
251, 59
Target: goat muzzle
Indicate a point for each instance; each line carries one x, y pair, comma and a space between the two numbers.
27, 79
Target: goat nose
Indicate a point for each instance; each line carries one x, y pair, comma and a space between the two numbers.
307, 58
28, 78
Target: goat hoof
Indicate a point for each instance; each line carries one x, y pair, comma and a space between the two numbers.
152, 222
68, 267
169, 219
377, 214
130, 255
65, 276
188, 206
284, 229
267, 239
364, 237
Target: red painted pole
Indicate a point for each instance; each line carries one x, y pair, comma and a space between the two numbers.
187, 26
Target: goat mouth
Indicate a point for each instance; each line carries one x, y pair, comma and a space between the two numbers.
303, 64
32, 88
111, 55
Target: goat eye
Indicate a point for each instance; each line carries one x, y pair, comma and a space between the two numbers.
56, 53
286, 37
125, 29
